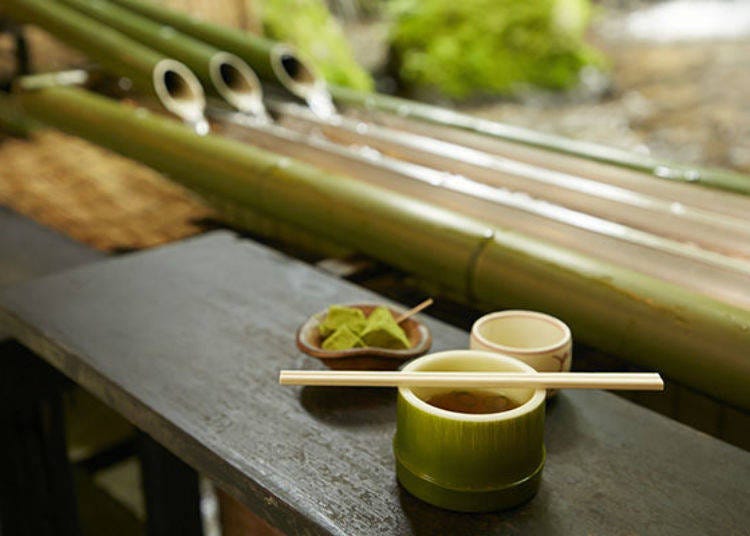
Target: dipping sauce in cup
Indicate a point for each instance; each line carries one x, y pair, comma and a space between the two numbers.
488, 457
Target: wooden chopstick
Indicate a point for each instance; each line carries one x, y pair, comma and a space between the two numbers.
414, 310
636, 381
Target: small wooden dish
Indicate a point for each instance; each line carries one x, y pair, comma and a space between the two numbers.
371, 358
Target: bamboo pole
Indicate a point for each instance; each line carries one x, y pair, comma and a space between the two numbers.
683, 334
170, 81
273, 61
710, 229
689, 337
276, 61
609, 176
225, 74
273, 186
494, 207
714, 178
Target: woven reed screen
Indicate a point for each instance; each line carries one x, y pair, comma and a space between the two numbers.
94, 196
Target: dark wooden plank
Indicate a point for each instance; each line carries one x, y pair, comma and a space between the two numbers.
186, 341
36, 495
171, 491
29, 250
36, 483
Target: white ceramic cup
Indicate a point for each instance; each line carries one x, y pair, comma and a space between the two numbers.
537, 339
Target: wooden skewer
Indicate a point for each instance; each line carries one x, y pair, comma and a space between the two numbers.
414, 310
647, 381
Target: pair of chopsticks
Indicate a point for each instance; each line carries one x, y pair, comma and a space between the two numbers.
636, 381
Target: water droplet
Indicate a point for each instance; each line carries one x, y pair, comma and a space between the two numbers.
167, 32
201, 126
283, 162
692, 175
362, 128
664, 172
369, 153
320, 103
642, 149
677, 208
125, 84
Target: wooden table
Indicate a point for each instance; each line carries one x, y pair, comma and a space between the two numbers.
36, 485
187, 340
37, 492
28, 250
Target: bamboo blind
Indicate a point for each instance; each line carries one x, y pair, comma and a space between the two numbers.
93, 195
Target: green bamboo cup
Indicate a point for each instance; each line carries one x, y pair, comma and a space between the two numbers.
469, 462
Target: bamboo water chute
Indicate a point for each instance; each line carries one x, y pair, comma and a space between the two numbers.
692, 337
395, 109
176, 87
673, 217
732, 201
273, 61
225, 74
500, 223
700, 270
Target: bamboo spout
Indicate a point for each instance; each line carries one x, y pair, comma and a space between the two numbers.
272, 61
237, 84
225, 74
301, 80
174, 84
181, 93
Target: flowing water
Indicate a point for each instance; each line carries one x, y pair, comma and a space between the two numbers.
723, 277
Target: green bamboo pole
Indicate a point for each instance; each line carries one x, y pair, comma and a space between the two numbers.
694, 339
710, 177
224, 74
689, 337
270, 61
240, 217
170, 81
273, 61
277, 187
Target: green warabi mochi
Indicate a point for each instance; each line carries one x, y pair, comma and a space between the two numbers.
339, 316
383, 332
342, 339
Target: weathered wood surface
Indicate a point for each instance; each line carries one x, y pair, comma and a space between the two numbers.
29, 250
187, 341
36, 486
37, 496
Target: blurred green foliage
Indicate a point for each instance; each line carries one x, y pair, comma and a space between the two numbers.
490, 46
309, 26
